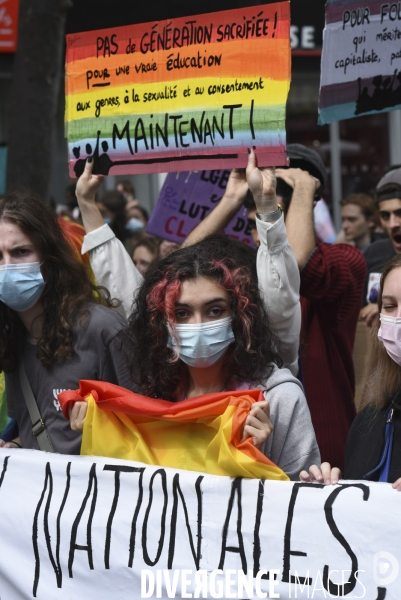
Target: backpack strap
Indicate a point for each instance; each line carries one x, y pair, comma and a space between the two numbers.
38, 427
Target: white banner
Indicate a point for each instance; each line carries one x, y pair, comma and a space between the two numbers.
84, 528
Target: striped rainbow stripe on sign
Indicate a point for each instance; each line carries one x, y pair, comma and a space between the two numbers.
183, 94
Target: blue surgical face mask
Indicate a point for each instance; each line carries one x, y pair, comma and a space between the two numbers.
202, 344
134, 225
21, 285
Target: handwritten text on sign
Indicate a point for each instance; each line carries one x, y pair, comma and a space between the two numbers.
186, 199
361, 62
182, 94
85, 527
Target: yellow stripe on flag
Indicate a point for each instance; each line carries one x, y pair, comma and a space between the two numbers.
203, 444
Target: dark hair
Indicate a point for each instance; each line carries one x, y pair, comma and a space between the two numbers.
67, 292
151, 243
250, 358
285, 191
115, 202
222, 245
249, 201
127, 186
383, 375
70, 196
365, 203
142, 210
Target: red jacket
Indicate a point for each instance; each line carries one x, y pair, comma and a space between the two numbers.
332, 284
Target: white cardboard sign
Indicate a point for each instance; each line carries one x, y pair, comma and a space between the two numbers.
85, 528
361, 59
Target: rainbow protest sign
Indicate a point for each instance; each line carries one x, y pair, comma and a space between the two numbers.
184, 94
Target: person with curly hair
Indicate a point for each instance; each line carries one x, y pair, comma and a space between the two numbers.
54, 321
200, 326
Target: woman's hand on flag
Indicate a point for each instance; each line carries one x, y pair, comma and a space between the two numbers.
77, 416
258, 425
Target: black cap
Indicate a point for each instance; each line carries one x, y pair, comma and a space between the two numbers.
389, 186
308, 160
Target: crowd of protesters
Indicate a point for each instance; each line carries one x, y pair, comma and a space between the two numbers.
213, 315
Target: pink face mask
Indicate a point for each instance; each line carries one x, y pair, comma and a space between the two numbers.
390, 336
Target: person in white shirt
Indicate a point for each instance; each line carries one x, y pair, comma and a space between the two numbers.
277, 268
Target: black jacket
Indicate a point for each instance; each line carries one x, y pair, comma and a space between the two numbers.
365, 442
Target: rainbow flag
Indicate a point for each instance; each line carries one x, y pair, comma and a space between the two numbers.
178, 95
200, 434
74, 234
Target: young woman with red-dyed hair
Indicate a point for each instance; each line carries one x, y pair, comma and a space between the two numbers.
199, 326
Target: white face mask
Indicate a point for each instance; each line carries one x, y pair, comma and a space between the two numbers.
134, 225
202, 344
390, 336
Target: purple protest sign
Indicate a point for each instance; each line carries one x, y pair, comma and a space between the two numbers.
186, 198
